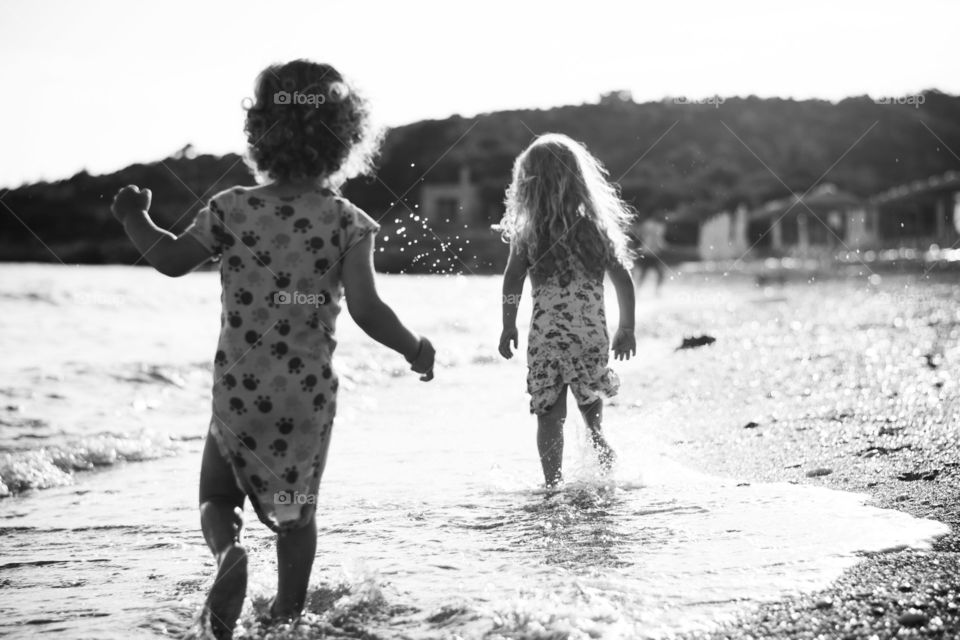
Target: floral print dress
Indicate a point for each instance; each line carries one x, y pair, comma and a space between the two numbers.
275, 389
568, 342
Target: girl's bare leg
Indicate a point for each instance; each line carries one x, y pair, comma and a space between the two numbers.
295, 553
550, 440
221, 503
593, 417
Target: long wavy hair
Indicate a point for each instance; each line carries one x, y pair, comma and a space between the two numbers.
561, 206
307, 122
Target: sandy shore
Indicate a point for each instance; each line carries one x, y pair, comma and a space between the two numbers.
861, 399
894, 594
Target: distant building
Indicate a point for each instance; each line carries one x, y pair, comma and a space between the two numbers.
452, 203
915, 215
825, 220
919, 214
724, 235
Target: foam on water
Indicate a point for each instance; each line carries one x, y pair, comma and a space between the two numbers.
53, 467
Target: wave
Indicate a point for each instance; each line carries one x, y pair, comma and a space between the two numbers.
22, 471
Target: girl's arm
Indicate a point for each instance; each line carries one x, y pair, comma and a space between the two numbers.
374, 316
168, 254
624, 341
513, 278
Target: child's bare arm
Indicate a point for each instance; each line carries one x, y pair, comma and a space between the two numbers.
513, 278
374, 316
168, 254
624, 341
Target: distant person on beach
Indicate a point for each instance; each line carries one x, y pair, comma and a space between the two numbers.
288, 251
648, 239
567, 228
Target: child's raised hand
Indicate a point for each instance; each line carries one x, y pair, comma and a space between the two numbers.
624, 344
508, 335
129, 200
422, 362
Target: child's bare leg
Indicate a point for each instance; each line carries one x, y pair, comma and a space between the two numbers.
295, 552
221, 503
593, 417
221, 523
550, 440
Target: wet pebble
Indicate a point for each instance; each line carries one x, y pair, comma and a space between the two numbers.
913, 619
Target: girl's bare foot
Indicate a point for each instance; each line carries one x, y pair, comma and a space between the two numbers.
554, 484
225, 600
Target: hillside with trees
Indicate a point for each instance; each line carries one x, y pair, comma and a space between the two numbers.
691, 160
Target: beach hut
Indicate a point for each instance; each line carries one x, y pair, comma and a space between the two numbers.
824, 220
919, 214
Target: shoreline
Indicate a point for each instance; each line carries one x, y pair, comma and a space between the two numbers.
897, 442
918, 591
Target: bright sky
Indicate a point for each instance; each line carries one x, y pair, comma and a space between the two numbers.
99, 85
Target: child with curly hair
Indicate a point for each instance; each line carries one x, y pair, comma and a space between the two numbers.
288, 251
567, 227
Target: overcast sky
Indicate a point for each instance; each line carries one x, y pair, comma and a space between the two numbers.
99, 85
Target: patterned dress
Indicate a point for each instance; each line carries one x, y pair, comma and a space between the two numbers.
568, 342
275, 390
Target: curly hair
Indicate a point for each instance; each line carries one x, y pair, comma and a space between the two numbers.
560, 205
307, 122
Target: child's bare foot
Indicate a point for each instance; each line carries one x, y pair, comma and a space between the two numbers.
279, 615
225, 599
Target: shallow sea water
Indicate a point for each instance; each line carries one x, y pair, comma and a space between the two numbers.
431, 523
